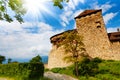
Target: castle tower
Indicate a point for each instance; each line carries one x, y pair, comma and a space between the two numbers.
98, 43
91, 26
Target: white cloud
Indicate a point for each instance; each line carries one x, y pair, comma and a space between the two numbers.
64, 19
68, 13
72, 4
111, 29
105, 7
23, 44
63, 24
76, 13
44, 26
109, 16
77, 1
9, 27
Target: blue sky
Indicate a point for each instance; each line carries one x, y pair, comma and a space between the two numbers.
43, 20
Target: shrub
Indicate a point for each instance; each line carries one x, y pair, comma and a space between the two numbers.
26, 71
46, 70
97, 60
45, 78
89, 67
56, 70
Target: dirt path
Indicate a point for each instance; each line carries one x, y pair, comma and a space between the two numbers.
56, 76
53, 76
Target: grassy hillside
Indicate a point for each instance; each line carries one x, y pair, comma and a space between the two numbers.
108, 70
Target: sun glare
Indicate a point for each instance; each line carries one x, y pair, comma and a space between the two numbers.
36, 7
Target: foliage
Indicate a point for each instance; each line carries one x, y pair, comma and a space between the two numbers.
89, 67
68, 70
22, 71
17, 7
107, 70
112, 67
9, 60
44, 78
46, 70
56, 70
2, 58
36, 59
74, 47
59, 3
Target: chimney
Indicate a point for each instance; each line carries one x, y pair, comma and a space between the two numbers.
118, 29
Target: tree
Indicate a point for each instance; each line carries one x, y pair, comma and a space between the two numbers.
74, 48
2, 58
59, 3
17, 7
36, 59
9, 60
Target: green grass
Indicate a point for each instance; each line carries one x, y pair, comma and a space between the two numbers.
68, 70
45, 78
18, 78
108, 70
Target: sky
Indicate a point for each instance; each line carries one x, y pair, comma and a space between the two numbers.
43, 20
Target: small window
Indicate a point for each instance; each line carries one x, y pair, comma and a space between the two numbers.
98, 24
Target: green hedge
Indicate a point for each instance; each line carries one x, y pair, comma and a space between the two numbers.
25, 71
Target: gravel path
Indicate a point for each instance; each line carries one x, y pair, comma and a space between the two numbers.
57, 76
54, 76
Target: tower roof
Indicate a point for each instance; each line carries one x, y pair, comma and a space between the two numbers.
87, 12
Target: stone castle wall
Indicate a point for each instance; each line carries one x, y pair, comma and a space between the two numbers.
115, 47
56, 57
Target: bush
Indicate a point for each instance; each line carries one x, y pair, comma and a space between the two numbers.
97, 60
25, 71
89, 67
46, 70
45, 78
56, 70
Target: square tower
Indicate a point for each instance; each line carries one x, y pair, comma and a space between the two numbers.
90, 25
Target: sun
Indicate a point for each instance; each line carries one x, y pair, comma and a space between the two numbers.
36, 7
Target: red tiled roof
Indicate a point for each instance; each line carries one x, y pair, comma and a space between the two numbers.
87, 12
57, 36
115, 36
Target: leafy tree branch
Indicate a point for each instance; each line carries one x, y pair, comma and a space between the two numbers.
17, 7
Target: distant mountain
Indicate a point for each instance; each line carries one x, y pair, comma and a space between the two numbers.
44, 60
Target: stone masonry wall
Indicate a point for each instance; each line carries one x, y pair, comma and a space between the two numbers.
115, 46
96, 41
56, 58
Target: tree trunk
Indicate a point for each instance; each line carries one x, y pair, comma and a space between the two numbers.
76, 69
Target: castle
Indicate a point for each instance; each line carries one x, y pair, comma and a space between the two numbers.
98, 43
